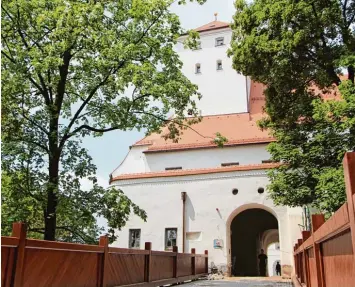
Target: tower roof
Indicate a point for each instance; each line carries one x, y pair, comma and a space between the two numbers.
214, 25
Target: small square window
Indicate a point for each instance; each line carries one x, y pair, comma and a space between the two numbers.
134, 238
219, 65
198, 69
170, 238
220, 41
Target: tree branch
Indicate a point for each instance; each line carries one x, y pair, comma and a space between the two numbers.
44, 88
87, 100
173, 121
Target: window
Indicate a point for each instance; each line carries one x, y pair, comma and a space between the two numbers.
170, 238
220, 41
269, 161
134, 238
173, 168
229, 163
219, 65
198, 69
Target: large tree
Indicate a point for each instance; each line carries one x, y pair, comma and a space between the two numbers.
299, 49
72, 69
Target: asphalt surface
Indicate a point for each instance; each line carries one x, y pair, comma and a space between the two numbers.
239, 283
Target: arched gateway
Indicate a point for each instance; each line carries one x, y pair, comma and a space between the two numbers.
250, 228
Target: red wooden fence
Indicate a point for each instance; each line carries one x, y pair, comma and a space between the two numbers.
325, 257
29, 262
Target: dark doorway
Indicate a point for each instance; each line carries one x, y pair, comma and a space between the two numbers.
246, 231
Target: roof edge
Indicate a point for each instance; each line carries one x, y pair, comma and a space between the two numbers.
169, 148
209, 29
188, 172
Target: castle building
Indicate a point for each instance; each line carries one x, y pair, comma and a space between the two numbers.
198, 195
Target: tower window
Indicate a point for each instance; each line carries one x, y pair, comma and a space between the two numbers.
220, 41
219, 65
198, 69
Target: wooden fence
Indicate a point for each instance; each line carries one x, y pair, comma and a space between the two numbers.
29, 262
325, 256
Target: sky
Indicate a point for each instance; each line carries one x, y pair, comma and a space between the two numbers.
109, 150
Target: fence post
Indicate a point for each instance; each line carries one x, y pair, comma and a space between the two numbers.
103, 242
175, 264
300, 259
317, 221
19, 231
305, 236
147, 265
349, 174
193, 261
295, 258
206, 262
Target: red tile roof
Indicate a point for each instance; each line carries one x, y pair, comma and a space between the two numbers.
182, 172
214, 25
239, 129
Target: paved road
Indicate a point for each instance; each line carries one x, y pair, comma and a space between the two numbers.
240, 283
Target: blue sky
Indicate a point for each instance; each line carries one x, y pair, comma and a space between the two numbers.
109, 150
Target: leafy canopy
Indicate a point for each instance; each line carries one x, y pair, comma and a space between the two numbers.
299, 49
72, 69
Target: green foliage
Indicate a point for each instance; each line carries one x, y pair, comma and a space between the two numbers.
299, 49
72, 69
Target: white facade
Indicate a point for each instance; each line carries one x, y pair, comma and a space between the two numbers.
137, 161
223, 91
210, 205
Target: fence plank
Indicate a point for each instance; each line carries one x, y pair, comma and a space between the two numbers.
349, 175
103, 242
19, 231
317, 221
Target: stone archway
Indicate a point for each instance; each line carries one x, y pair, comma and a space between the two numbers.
250, 228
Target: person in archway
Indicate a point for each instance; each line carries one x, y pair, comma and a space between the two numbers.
262, 263
278, 268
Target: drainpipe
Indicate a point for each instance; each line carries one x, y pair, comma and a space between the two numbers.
183, 197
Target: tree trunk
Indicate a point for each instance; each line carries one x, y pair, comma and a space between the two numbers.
50, 220
351, 73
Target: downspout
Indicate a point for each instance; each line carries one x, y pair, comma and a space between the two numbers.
183, 197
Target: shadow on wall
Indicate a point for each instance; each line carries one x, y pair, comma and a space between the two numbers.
190, 216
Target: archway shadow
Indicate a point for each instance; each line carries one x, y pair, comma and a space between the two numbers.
246, 240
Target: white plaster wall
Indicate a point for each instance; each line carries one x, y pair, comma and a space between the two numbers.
206, 158
223, 92
136, 161
161, 199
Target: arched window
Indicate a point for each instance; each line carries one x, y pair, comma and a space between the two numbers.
219, 65
198, 68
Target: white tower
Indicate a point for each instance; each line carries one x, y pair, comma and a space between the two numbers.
223, 90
